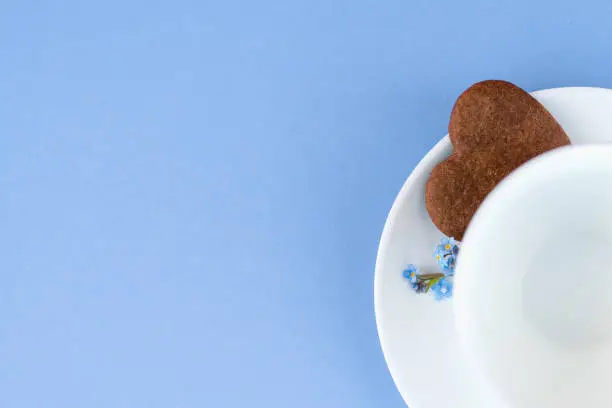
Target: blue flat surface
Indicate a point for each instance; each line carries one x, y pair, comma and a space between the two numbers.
192, 192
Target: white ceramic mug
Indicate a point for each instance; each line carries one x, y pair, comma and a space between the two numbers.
533, 295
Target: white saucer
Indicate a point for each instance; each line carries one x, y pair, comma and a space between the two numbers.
418, 334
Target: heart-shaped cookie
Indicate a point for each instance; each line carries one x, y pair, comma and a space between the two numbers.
495, 127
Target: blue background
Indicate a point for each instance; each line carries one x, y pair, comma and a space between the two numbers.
192, 193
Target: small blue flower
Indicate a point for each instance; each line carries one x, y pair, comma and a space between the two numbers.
448, 243
446, 255
411, 273
440, 283
443, 289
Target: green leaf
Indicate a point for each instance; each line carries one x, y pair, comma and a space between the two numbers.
429, 276
433, 282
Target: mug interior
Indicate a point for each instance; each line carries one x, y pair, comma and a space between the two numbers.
533, 296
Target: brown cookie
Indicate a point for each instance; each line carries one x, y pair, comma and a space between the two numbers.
495, 127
